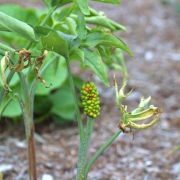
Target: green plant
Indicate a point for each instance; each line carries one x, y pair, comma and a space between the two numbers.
36, 56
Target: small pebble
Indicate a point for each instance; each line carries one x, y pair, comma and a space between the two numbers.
176, 168
4, 168
47, 177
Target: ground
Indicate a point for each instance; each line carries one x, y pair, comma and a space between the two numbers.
154, 36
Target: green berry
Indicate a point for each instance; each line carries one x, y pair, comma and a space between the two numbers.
90, 100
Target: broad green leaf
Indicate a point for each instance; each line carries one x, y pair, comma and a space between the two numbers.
101, 21
49, 21
5, 47
28, 15
71, 25
93, 60
42, 30
81, 26
64, 12
58, 42
68, 26
77, 54
63, 103
101, 38
106, 55
83, 5
13, 81
109, 1
55, 74
104, 21
12, 110
13, 39
42, 105
8, 23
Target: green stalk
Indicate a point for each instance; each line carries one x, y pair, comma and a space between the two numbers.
76, 104
29, 126
100, 151
82, 158
90, 125
83, 150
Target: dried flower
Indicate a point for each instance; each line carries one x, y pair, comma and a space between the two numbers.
144, 111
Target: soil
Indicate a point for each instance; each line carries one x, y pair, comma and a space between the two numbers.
154, 36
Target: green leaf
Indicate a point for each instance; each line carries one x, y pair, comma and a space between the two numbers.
58, 42
12, 110
101, 38
28, 15
93, 60
49, 20
77, 54
57, 2
42, 105
81, 26
78, 81
5, 47
13, 39
64, 12
63, 103
71, 26
14, 80
42, 30
109, 1
8, 23
55, 74
104, 21
106, 54
83, 5
100, 20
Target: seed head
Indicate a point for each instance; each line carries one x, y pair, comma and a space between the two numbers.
90, 99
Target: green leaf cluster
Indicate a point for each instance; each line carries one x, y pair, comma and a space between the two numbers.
72, 30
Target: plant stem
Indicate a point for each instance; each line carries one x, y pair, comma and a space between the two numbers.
83, 151
76, 104
100, 151
29, 126
89, 129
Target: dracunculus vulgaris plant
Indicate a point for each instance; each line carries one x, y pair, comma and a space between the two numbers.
68, 30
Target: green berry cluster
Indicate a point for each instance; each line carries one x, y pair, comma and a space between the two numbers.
90, 100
